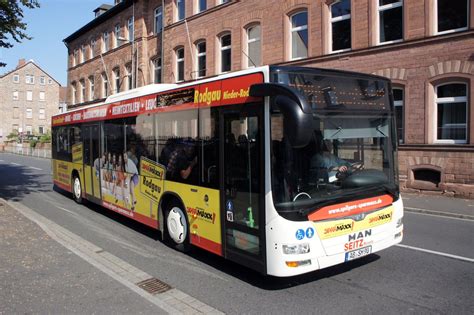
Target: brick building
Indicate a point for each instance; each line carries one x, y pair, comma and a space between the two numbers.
426, 47
28, 98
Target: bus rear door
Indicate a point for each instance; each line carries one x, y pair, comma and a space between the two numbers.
92, 164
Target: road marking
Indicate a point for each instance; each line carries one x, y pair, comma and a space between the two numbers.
448, 215
2, 161
35, 168
15, 163
471, 260
64, 209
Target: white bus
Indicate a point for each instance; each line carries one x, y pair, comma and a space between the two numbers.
285, 170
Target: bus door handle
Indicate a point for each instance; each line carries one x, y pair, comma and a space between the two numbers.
194, 190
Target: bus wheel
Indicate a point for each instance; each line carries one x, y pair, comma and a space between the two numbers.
177, 230
76, 189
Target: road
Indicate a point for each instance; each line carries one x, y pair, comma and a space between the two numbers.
397, 280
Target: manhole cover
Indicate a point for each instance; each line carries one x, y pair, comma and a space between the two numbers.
154, 286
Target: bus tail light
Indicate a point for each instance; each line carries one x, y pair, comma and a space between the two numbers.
296, 249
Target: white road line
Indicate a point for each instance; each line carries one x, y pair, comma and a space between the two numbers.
35, 168
2, 161
64, 209
15, 163
471, 260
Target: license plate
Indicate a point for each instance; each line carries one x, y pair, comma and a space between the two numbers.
358, 253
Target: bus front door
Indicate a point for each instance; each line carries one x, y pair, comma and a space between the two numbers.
91, 138
242, 194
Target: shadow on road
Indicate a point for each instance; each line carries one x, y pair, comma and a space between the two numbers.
233, 269
19, 181
274, 283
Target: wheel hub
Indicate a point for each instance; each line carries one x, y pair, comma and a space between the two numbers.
176, 223
77, 188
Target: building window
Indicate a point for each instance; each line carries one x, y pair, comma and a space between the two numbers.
29, 113
201, 59
156, 70
50, 81
223, 1
130, 30
42, 113
105, 85
180, 64
226, 53
16, 78
83, 53
390, 21
30, 79
180, 10
29, 129
29, 95
117, 35
92, 50
128, 68
341, 25
41, 130
452, 15
116, 80
254, 47
83, 90
75, 59
42, 96
15, 127
201, 5
106, 46
73, 93
299, 35
42, 80
451, 113
398, 102
91, 88
158, 20
15, 95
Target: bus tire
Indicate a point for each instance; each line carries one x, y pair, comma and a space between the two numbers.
177, 227
76, 189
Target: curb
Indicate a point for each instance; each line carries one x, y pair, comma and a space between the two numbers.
440, 213
173, 301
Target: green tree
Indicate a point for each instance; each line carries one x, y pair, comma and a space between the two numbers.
11, 21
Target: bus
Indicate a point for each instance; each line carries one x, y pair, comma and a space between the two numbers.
285, 170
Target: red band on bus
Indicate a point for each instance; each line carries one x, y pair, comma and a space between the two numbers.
133, 215
345, 209
62, 186
206, 244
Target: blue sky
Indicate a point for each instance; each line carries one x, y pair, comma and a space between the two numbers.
49, 25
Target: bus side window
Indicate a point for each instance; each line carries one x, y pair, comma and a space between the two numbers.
209, 147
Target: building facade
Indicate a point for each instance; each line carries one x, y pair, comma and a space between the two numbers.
28, 98
426, 47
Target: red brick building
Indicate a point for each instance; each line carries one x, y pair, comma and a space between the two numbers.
426, 47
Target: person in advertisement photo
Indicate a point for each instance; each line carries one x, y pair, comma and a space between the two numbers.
131, 179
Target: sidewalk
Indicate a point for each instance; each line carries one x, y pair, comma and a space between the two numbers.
439, 205
38, 275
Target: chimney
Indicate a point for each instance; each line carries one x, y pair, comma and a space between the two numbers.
102, 9
21, 63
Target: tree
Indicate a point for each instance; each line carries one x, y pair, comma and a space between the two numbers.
11, 24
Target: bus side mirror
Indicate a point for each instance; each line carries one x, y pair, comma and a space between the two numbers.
297, 114
297, 125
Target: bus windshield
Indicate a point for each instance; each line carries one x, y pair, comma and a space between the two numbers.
352, 148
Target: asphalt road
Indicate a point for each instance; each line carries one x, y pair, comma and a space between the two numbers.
397, 280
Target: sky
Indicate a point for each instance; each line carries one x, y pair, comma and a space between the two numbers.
49, 25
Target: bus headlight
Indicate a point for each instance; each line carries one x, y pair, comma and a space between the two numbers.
295, 249
400, 222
